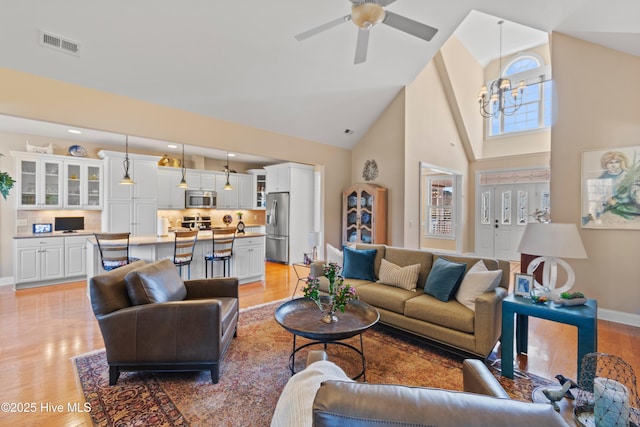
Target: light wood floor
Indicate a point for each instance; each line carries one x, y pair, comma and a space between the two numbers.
41, 329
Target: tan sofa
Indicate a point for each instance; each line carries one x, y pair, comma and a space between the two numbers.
449, 324
322, 396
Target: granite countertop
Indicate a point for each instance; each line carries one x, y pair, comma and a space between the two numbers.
155, 240
55, 234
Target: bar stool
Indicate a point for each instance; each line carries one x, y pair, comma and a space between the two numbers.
183, 247
114, 250
222, 250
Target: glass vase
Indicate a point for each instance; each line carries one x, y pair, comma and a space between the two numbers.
328, 308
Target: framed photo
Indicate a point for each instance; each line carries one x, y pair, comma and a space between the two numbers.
611, 188
523, 284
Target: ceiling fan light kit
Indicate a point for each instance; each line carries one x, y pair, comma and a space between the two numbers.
365, 15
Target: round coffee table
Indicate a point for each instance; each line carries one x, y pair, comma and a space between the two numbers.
302, 317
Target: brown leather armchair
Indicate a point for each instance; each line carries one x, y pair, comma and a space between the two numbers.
153, 321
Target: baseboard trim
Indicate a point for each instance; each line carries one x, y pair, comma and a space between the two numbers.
7, 280
619, 317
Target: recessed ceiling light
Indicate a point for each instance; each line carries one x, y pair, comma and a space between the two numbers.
172, 146
76, 131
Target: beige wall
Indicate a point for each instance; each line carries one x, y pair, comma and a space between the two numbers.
595, 120
26, 95
466, 77
385, 143
432, 137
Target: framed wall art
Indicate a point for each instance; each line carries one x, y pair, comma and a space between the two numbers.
611, 188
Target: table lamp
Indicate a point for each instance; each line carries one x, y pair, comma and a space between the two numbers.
314, 241
552, 241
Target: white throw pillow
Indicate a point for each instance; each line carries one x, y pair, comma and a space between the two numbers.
334, 255
477, 281
400, 277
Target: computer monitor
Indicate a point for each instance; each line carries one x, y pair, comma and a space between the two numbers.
69, 224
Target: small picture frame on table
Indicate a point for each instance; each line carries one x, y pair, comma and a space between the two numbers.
523, 283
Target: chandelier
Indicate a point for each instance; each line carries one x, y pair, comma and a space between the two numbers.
500, 98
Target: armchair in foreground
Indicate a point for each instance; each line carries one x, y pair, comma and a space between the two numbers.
153, 321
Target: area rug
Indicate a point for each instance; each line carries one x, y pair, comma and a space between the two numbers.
254, 372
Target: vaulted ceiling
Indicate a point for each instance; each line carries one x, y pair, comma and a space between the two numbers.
239, 61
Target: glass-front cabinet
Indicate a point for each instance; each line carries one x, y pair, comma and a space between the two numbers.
364, 214
40, 183
83, 185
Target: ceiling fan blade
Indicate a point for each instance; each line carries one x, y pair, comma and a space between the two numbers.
409, 26
361, 46
323, 27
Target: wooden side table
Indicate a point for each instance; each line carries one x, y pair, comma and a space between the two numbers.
584, 317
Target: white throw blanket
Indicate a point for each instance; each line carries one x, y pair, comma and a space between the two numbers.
295, 402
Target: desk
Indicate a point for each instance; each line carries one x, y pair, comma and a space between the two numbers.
584, 317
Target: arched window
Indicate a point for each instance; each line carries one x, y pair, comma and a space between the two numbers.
535, 112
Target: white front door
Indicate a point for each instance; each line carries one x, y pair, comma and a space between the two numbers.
502, 211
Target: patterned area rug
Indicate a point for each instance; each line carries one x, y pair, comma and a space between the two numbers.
254, 372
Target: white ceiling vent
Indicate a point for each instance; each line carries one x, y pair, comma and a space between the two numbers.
60, 43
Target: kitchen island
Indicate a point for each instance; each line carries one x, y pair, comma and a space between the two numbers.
247, 263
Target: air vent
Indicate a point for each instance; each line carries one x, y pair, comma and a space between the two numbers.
57, 42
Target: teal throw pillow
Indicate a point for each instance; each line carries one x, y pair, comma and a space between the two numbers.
358, 263
444, 279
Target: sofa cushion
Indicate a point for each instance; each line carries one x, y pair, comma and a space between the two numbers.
153, 283
109, 290
451, 314
477, 281
358, 264
383, 296
400, 277
334, 255
444, 279
404, 257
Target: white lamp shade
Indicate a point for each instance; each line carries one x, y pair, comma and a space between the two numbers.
552, 240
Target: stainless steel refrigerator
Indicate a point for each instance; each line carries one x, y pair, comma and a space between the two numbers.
277, 244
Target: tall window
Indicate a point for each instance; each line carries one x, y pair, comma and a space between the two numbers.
440, 206
535, 112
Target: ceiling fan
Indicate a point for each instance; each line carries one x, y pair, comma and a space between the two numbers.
365, 14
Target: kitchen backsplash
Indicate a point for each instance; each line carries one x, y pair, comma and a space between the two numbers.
92, 219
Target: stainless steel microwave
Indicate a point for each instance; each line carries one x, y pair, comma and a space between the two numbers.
202, 199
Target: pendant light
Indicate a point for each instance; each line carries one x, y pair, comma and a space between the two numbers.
183, 181
126, 179
227, 185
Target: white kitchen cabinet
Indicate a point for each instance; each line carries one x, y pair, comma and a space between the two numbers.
248, 259
39, 179
259, 188
278, 178
75, 256
130, 208
83, 184
200, 180
227, 199
246, 191
170, 196
38, 259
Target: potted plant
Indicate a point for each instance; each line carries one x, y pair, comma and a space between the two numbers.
6, 183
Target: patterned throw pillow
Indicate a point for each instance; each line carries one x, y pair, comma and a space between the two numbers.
400, 277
